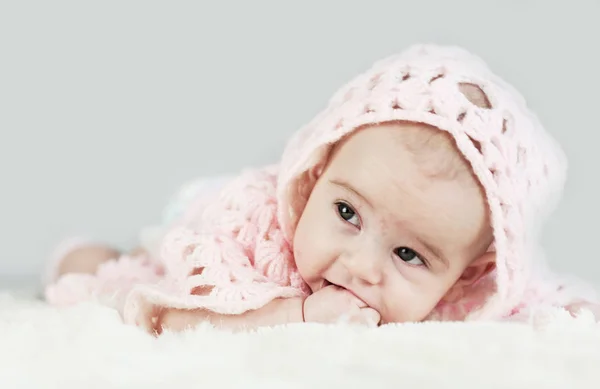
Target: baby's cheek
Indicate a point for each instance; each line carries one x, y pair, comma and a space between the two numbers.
311, 254
410, 300
301, 251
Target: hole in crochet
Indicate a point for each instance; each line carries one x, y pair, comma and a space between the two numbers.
396, 105
202, 290
436, 77
406, 77
369, 109
475, 95
497, 142
196, 271
189, 250
476, 143
461, 117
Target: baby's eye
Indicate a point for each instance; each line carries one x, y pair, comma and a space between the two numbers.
408, 256
347, 213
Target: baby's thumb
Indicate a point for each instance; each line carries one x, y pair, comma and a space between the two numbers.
370, 316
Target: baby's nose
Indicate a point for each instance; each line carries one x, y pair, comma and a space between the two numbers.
366, 268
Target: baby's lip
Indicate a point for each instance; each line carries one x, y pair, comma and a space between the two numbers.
357, 296
327, 283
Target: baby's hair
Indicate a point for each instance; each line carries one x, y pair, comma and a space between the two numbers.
435, 150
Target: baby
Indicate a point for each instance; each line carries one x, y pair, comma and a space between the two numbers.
417, 194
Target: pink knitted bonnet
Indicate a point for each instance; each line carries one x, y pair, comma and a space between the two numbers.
521, 168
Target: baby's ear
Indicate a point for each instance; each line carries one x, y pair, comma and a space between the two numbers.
477, 269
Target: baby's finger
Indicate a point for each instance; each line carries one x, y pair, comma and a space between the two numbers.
348, 296
370, 316
355, 300
359, 303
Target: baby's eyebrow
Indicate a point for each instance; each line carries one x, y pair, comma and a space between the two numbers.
347, 186
435, 251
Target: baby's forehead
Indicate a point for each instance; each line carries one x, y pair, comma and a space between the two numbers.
402, 159
431, 152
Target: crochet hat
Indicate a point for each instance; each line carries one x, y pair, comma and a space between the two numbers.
520, 167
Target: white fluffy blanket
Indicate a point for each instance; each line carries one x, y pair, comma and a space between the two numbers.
88, 347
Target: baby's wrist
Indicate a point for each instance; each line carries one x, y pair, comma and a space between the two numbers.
294, 309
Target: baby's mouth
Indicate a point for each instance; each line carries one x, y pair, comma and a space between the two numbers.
327, 283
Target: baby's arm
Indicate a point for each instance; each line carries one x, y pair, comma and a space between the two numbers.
278, 311
327, 305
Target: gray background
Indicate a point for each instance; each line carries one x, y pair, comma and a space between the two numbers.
107, 107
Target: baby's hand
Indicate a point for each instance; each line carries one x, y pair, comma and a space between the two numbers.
574, 309
333, 303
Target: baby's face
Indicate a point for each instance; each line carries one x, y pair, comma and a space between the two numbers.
384, 228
